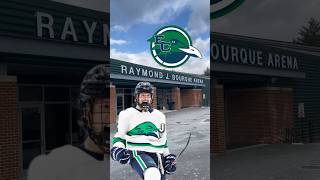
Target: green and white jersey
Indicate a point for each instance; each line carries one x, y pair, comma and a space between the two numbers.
142, 131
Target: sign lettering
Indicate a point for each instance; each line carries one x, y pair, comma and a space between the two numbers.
46, 22
158, 74
247, 56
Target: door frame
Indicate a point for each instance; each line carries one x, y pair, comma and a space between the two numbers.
21, 106
122, 98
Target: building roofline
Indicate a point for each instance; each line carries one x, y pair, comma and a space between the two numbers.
65, 5
276, 43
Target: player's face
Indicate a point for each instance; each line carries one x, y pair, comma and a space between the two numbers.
145, 97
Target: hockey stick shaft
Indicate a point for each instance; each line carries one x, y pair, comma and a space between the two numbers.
185, 147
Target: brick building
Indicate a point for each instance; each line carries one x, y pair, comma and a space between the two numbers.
263, 91
45, 50
172, 90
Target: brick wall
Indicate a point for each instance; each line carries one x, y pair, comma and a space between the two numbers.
113, 104
280, 108
176, 98
9, 132
217, 122
258, 115
154, 101
191, 97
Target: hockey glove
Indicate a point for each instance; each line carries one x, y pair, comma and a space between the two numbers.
170, 163
120, 154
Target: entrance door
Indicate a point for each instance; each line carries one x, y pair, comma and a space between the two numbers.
120, 103
163, 98
57, 126
31, 118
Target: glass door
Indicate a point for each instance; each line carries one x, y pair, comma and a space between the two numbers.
120, 103
57, 126
31, 118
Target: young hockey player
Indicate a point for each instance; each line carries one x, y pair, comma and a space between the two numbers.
141, 139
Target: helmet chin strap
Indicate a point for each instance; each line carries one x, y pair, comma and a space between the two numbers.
144, 106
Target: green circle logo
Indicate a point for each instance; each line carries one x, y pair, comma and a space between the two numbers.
220, 8
171, 46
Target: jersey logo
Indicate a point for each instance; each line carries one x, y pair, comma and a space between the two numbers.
162, 127
171, 46
147, 129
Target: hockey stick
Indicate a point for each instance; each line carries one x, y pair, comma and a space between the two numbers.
179, 155
185, 147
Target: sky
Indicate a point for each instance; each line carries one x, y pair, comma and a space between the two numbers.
268, 19
133, 22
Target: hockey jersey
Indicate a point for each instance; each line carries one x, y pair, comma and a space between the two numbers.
142, 131
66, 163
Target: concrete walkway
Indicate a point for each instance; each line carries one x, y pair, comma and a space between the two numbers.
268, 162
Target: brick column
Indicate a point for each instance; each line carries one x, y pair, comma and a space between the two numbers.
154, 101
191, 97
113, 105
9, 132
176, 98
217, 123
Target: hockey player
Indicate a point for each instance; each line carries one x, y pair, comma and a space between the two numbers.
141, 139
87, 161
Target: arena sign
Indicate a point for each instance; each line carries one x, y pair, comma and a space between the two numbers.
224, 53
47, 27
130, 71
158, 74
220, 8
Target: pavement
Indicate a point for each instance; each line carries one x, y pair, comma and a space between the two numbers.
268, 162
258, 162
194, 162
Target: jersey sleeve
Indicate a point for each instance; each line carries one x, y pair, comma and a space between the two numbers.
166, 148
119, 138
